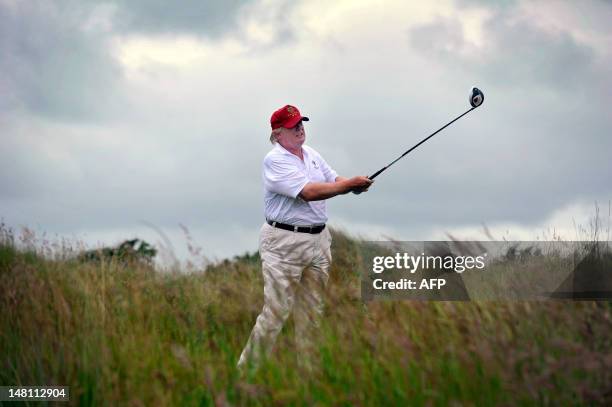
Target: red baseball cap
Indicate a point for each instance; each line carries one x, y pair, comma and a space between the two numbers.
287, 116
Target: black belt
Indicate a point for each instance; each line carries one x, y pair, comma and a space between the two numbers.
301, 229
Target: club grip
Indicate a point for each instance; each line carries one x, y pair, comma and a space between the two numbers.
377, 173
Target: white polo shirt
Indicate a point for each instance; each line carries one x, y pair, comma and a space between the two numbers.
284, 177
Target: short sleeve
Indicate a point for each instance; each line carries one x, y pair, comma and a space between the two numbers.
328, 172
283, 177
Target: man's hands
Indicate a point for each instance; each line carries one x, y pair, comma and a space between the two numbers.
355, 185
360, 184
316, 191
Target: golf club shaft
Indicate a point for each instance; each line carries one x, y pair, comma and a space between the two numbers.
377, 173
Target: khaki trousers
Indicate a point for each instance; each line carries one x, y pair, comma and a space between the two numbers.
295, 269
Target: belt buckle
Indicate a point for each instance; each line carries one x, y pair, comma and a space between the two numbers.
295, 228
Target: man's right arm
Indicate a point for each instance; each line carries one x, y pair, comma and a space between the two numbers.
317, 191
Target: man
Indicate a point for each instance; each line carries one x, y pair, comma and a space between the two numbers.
294, 243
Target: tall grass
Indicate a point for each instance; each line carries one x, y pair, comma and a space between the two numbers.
122, 334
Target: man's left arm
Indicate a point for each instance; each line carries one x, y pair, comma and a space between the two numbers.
340, 179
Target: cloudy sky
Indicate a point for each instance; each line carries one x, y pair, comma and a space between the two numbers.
122, 119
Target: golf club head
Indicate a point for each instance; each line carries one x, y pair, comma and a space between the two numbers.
476, 97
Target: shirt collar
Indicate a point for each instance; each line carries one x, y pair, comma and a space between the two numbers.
283, 150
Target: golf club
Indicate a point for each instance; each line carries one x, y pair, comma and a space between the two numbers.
476, 98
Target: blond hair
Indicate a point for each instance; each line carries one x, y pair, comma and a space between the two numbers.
273, 135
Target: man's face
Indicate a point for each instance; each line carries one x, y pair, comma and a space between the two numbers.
292, 139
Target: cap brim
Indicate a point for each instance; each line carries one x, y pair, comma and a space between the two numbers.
292, 123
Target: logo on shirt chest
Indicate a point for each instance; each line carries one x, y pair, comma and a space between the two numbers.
314, 164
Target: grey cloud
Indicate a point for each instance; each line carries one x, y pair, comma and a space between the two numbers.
543, 105
539, 142
56, 60
51, 66
527, 152
210, 18
543, 58
497, 4
20, 176
513, 53
495, 165
110, 186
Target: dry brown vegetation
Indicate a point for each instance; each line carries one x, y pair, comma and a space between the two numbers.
126, 334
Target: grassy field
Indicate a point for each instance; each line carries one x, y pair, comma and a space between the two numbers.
129, 335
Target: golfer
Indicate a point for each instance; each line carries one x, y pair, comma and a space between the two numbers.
294, 243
